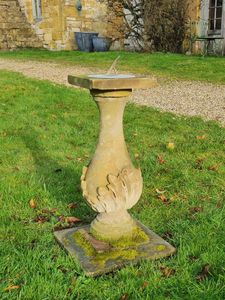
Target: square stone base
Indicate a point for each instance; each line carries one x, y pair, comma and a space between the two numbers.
95, 264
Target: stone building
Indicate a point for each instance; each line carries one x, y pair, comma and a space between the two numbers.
207, 26
55, 21
51, 24
15, 30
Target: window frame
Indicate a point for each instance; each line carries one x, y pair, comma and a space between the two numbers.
37, 10
215, 31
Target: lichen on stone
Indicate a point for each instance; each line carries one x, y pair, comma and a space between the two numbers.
137, 237
122, 249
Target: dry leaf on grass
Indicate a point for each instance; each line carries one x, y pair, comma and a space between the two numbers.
159, 192
11, 287
195, 209
160, 159
137, 156
200, 137
213, 168
40, 219
144, 285
69, 157
32, 203
124, 297
72, 205
72, 220
167, 272
163, 199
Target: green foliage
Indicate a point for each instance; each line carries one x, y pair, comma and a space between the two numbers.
168, 65
47, 133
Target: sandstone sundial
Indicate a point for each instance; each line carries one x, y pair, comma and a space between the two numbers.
111, 185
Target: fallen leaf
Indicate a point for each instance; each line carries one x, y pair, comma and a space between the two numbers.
72, 205
61, 218
144, 285
159, 192
199, 163
204, 273
193, 257
32, 203
62, 269
174, 197
160, 159
213, 168
167, 272
69, 157
11, 287
72, 220
137, 156
40, 219
195, 209
219, 204
79, 159
170, 146
200, 137
163, 199
124, 297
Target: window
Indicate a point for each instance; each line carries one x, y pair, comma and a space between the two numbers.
215, 16
36, 9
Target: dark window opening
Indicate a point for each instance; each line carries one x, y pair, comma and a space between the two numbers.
215, 16
37, 10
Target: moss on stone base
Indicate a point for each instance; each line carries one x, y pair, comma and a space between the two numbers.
124, 248
137, 236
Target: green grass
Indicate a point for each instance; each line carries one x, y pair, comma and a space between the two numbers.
168, 65
47, 134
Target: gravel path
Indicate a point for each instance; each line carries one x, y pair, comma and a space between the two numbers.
181, 97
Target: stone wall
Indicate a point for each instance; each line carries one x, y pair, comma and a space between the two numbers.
60, 19
15, 31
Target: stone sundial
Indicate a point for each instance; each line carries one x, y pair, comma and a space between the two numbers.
111, 185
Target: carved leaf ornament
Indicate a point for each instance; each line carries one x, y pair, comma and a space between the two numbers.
122, 191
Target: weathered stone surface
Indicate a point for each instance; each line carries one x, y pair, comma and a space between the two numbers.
15, 31
112, 82
111, 184
60, 19
94, 264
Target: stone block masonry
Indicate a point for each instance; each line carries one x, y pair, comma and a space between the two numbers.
15, 31
60, 19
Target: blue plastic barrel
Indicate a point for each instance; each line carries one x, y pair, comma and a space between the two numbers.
101, 44
84, 40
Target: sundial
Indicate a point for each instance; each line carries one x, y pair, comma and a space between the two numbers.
111, 185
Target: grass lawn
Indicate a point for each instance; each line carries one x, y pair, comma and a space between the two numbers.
211, 69
47, 134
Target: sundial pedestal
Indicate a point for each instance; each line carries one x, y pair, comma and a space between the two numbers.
111, 185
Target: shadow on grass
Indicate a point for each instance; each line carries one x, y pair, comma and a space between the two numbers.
61, 182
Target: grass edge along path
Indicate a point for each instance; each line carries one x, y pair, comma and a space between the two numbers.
173, 66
